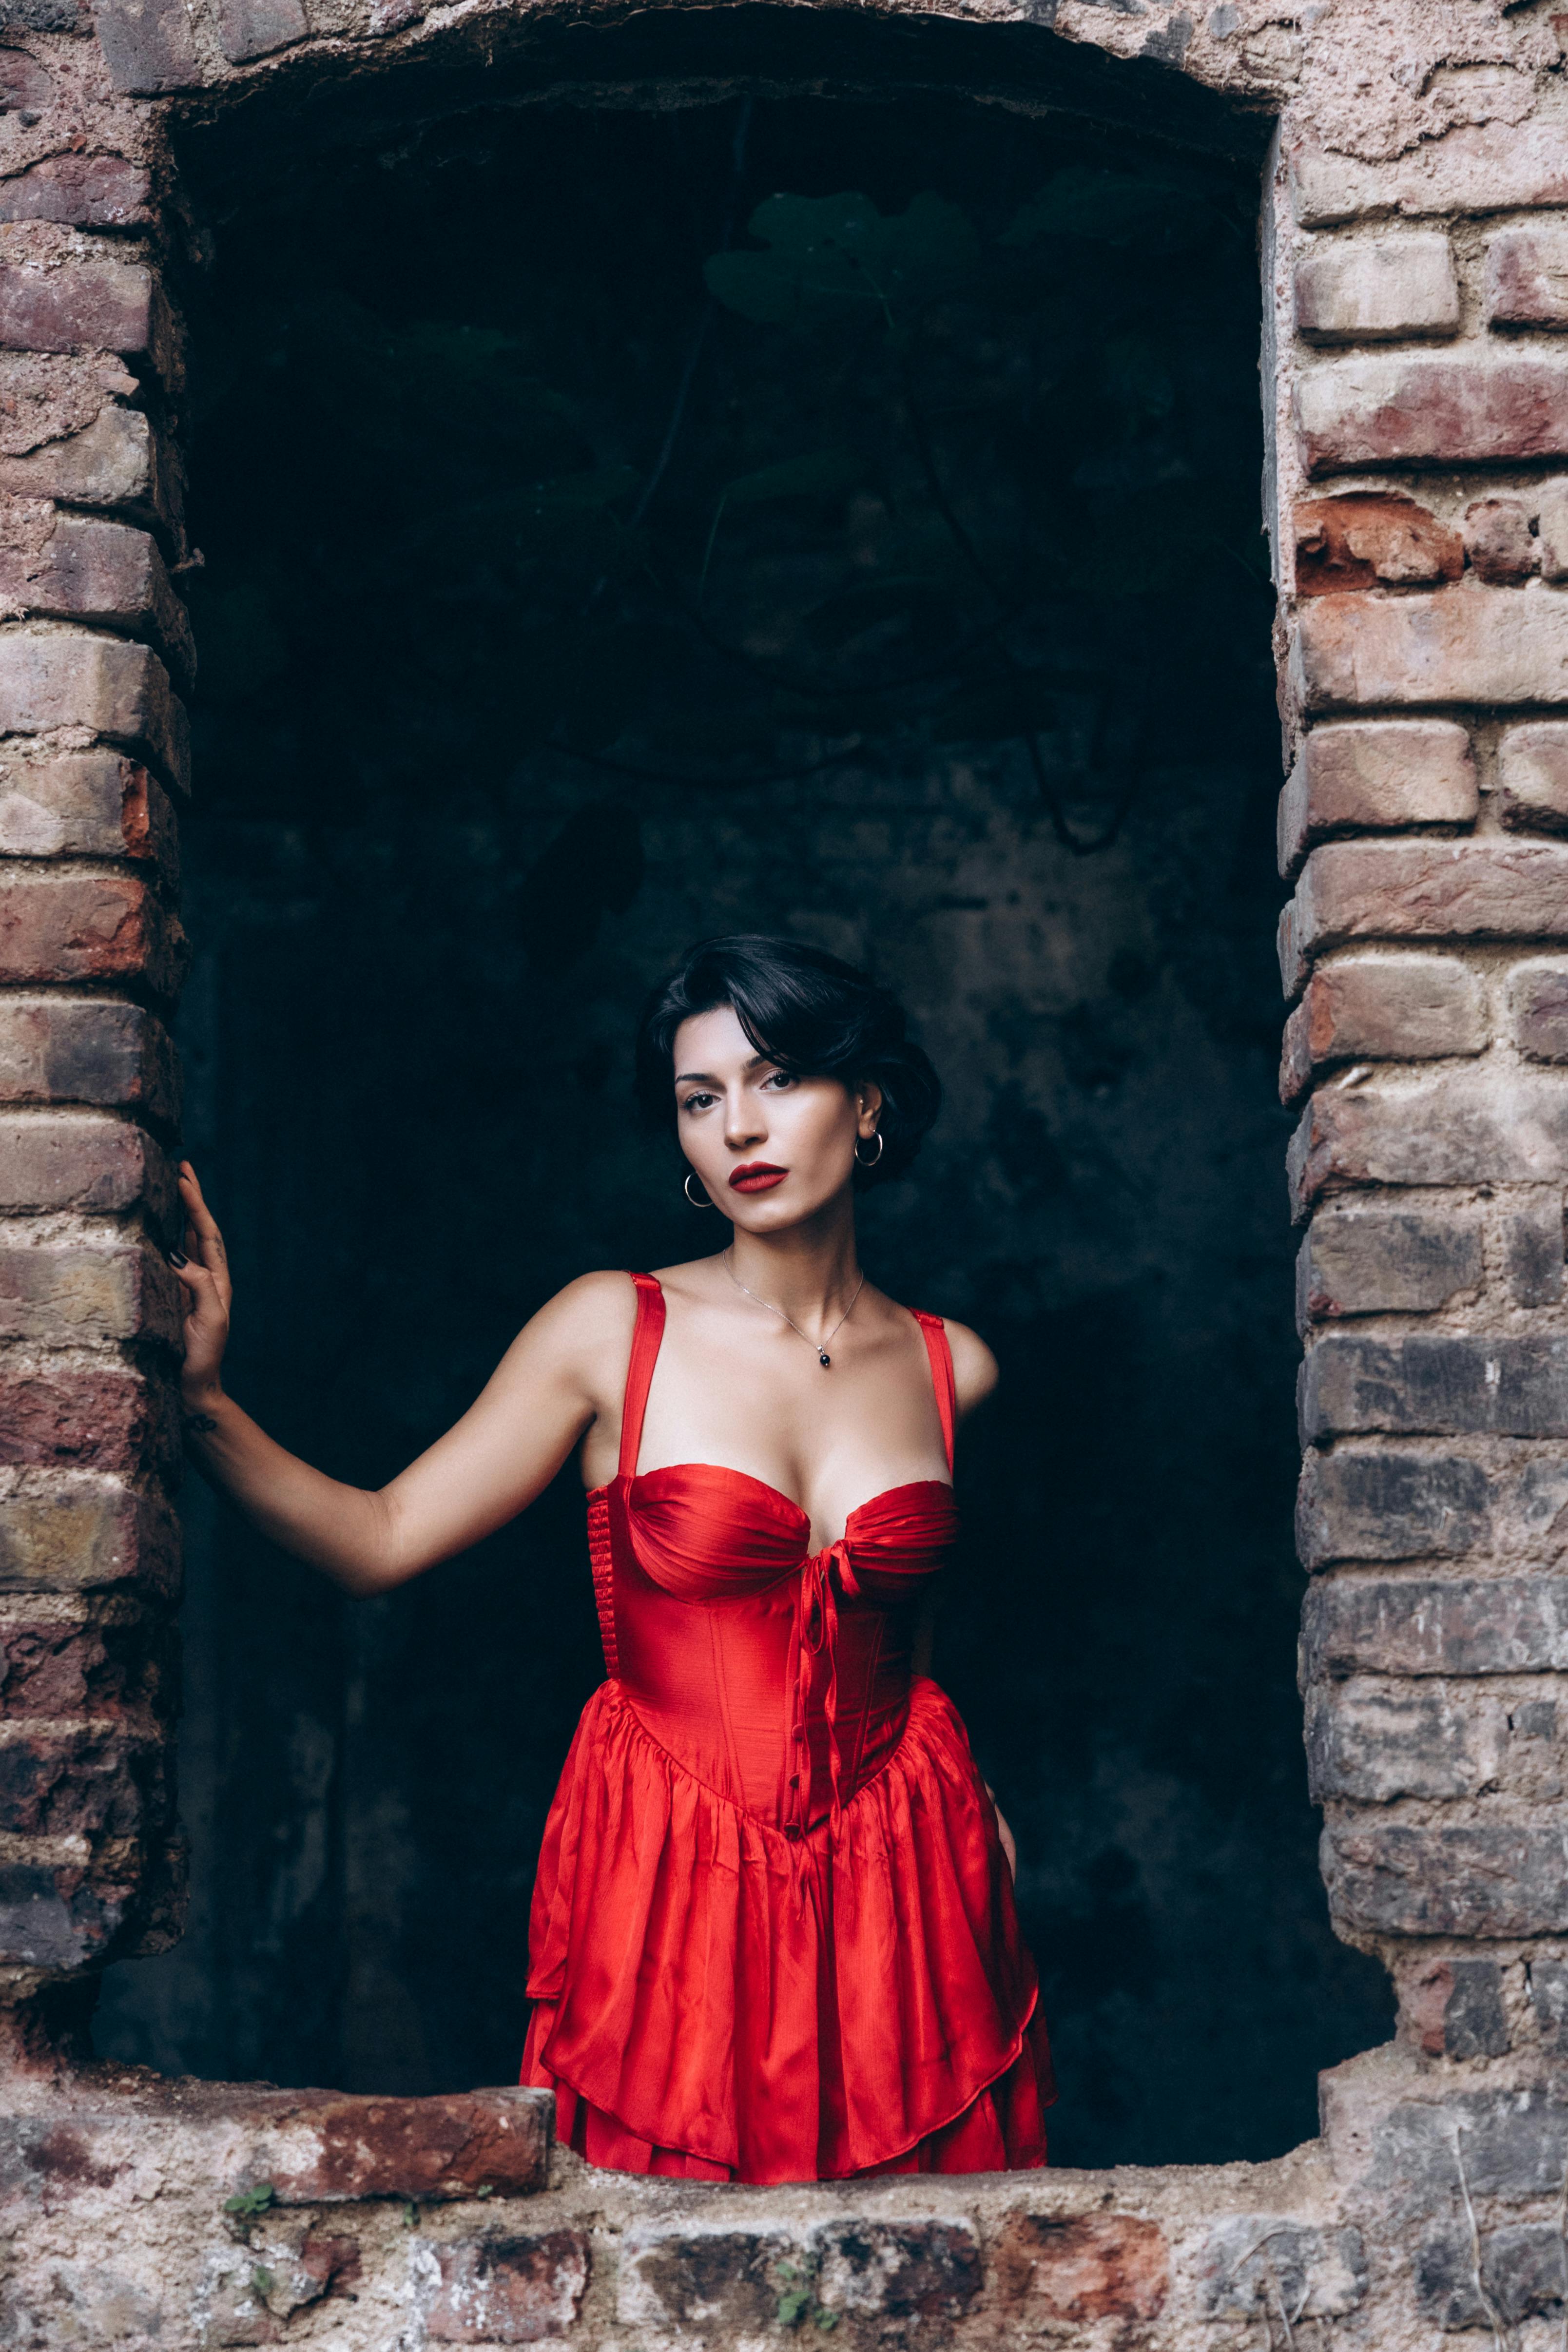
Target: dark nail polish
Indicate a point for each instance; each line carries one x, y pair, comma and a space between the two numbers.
176, 1257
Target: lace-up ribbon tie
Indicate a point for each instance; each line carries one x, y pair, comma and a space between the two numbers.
826, 1575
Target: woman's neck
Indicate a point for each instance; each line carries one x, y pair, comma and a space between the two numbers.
811, 1271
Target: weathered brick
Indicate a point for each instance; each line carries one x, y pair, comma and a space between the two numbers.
1381, 1008
1426, 407
72, 1159
1423, 889
83, 191
1374, 1741
91, 1781
85, 306
84, 1535
64, 1294
1418, 1625
97, 1050
1472, 1126
1499, 543
1079, 2268
1549, 1997
1374, 1261
1358, 540
104, 572
1526, 282
1373, 290
1247, 2260
1455, 2009
85, 804
61, 1917
1435, 1384
99, 683
1533, 1240
1523, 2269
1538, 1010
1552, 506
1363, 1503
118, 460
505, 2290
1531, 791
1469, 170
89, 926
1496, 1880
106, 1669
1459, 645
147, 45
733, 2278
339, 2149
254, 29
108, 1416
1372, 775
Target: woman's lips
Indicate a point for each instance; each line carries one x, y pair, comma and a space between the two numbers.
757, 1176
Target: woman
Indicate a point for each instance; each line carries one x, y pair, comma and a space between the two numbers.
772, 1935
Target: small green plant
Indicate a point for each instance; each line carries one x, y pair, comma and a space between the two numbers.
261, 2281
411, 2215
249, 2204
485, 2189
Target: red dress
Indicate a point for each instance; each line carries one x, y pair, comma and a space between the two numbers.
772, 1935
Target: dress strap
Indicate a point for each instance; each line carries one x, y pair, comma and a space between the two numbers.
647, 1333
934, 1330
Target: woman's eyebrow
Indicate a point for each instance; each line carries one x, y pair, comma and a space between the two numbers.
706, 1077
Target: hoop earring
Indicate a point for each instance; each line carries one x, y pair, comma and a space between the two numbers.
686, 1187
882, 1142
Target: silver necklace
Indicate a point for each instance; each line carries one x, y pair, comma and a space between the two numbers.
823, 1358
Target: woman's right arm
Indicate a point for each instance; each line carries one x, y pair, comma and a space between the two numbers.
488, 1466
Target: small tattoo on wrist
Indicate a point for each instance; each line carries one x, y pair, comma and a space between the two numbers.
200, 1424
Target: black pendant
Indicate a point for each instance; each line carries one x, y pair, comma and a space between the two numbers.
825, 1359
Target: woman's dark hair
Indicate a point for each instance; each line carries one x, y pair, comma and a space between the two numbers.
809, 1013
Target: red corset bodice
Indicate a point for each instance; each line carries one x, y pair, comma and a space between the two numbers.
776, 1675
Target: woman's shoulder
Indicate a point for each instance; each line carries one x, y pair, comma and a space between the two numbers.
974, 1369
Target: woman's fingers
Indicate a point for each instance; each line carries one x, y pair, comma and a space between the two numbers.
203, 1239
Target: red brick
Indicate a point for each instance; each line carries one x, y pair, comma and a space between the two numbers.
1430, 408
1498, 889
1499, 543
99, 572
1475, 1126
89, 926
83, 191
1371, 291
84, 306
85, 1535
507, 2290
99, 683
93, 1781
1538, 1010
1531, 789
85, 804
345, 2148
1552, 506
1075, 2270
60, 1294
1469, 643
1527, 279
1381, 1008
1385, 539
73, 1159
109, 1416
106, 1670
100, 1051
1373, 776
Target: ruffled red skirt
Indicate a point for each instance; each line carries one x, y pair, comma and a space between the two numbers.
716, 2001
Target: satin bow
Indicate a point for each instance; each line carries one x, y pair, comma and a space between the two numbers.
825, 1575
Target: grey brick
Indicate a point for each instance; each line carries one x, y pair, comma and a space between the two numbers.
1421, 1625
1435, 1385
1360, 1504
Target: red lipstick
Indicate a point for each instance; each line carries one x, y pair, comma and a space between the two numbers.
756, 1176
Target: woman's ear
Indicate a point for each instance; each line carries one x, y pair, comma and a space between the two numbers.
869, 1101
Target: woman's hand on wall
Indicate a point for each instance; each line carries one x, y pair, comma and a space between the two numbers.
203, 1267
1009, 1845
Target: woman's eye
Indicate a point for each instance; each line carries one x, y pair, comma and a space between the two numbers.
779, 1078
698, 1102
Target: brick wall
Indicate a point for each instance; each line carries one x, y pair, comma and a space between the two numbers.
1416, 254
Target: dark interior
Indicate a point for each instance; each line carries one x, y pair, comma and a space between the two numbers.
587, 571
